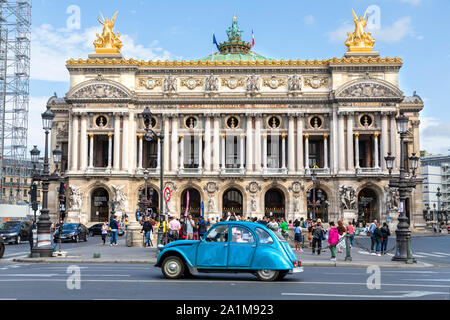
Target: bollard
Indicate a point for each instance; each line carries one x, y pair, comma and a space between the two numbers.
348, 256
409, 257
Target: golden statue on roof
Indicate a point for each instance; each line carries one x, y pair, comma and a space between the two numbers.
360, 41
107, 42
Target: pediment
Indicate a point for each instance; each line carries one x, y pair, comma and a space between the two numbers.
99, 89
369, 89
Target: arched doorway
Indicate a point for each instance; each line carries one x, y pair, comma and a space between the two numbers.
367, 206
274, 204
195, 200
317, 200
153, 205
100, 205
232, 202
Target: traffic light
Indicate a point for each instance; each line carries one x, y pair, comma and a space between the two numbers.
33, 193
62, 192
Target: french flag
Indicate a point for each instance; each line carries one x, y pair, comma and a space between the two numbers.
253, 39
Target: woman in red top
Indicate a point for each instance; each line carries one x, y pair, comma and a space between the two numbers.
351, 232
341, 231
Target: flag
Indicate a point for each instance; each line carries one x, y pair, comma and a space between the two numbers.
187, 204
215, 41
253, 39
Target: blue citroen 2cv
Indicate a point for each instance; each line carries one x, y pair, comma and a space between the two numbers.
231, 246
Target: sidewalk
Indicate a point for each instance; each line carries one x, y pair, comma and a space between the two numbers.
131, 255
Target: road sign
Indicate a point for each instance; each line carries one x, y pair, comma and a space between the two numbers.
167, 194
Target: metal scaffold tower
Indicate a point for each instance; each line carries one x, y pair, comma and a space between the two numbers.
15, 40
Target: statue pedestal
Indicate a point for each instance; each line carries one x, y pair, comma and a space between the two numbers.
349, 215
392, 220
134, 237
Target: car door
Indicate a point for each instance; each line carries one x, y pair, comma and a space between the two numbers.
242, 247
212, 252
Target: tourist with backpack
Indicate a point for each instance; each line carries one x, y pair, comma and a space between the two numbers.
317, 236
386, 233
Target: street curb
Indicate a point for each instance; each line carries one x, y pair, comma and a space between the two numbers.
152, 262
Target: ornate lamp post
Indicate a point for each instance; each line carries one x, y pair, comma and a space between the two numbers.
314, 181
439, 195
43, 247
149, 136
404, 184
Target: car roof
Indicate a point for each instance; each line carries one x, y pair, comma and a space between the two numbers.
249, 224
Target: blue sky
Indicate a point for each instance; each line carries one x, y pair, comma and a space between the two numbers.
414, 30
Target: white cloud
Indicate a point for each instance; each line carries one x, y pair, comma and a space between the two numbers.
51, 48
434, 135
394, 33
309, 20
413, 2
36, 135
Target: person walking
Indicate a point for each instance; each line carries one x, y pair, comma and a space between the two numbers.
147, 228
317, 236
351, 232
284, 226
371, 232
298, 238
386, 233
341, 231
195, 227
189, 228
202, 227
378, 238
174, 229
333, 239
104, 232
114, 226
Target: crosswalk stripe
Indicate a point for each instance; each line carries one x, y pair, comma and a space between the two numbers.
431, 254
442, 253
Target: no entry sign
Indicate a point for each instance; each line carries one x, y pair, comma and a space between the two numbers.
167, 194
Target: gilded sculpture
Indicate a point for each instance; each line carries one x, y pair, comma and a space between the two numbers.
360, 40
108, 42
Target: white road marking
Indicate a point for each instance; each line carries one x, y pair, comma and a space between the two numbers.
429, 254
412, 294
12, 255
29, 275
442, 253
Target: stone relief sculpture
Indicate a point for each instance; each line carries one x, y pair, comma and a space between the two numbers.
211, 205
253, 203
170, 84
347, 197
120, 198
392, 198
76, 199
252, 84
211, 83
296, 204
368, 90
294, 83
99, 91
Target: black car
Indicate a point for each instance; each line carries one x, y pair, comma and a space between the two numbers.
73, 232
96, 229
2, 247
15, 231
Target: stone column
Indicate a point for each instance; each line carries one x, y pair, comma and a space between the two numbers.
376, 154
258, 143
200, 151
341, 143
265, 151
91, 150
334, 140
174, 141
109, 150
350, 157
307, 151
300, 143
241, 151
132, 143
325, 151
291, 145
158, 157
83, 143
207, 144
395, 143
125, 146
283, 151
116, 164
181, 152
223, 151
166, 142
249, 144
384, 140
74, 143
216, 143
141, 150
357, 150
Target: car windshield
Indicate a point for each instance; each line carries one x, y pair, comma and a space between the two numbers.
10, 225
69, 226
279, 235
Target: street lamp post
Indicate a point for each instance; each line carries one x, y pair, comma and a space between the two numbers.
43, 247
438, 195
149, 136
404, 184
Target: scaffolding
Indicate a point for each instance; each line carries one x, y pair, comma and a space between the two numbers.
15, 40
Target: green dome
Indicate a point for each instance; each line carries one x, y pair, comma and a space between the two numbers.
218, 56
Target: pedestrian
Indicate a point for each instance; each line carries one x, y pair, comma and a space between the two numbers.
333, 239
298, 238
174, 229
310, 228
202, 227
296, 223
30, 235
378, 238
386, 233
291, 225
273, 225
317, 236
351, 232
195, 227
189, 228
284, 228
341, 231
114, 226
370, 233
104, 232
147, 228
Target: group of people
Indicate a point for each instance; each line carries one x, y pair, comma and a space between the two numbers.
187, 228
378, 237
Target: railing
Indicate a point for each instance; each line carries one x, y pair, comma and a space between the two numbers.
369, 170
189, 171
232, 171
274, 171
319, 171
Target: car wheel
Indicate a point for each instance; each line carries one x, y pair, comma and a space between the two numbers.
172, 267
75, 238
2, 249
17, 240
282, 274
267, 275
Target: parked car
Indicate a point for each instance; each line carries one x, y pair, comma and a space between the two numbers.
15, 231
2, 247
231, 246
72, 231
96, 229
